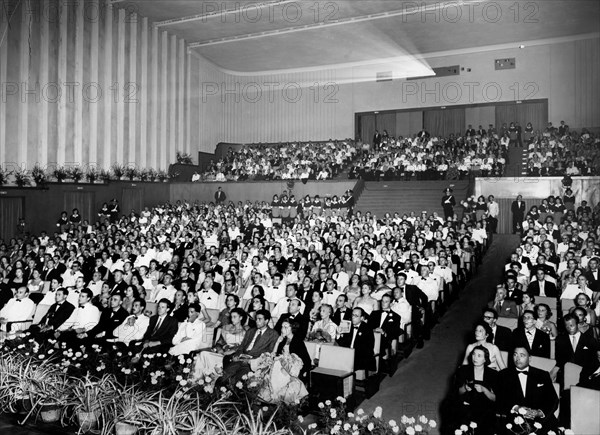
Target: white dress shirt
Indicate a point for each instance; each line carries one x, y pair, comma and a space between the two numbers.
196, 333
274, 294
86, 317
404, 310
164, 292
95, 287
342, 279
124, 333
330, 298
70, 277
211, 299
17, 310
429, 286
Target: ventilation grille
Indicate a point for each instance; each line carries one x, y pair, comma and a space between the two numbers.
509, 63
442, 71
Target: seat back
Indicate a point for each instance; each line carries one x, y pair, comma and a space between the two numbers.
572, 372
151, 308
312, 348
585, 418
377, 349
545, 364
213, 314
40, 312
551, 302
336, 358
566, 305
557, 389
507, 322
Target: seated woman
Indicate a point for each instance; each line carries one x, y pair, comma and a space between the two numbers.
211, 362
282, 370
543, 323
528, 303
366, 301
324, 330
475, 384
353, 289
482, 332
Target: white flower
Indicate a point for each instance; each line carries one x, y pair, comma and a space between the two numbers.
508, 426
473, 425
396, 429
378, 411
183, 382
418, 428
370, 427
519, 420
245, 377
265, 409
300, 419
188, 361
360, 412
537, 425
464, 428
208, 388
252, 384
335, 429
186, 370
410, 430
346, 426
423, 419
341, 399
392, 423
333, 413
456, 432
551, 432
178, 378
239, 385
522, 411
328, 402
312, 426
350, 414
404, 419
321, 405
432, 423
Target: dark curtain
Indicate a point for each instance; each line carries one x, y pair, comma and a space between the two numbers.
11, 209
443, 122
386, 121
506, 113
367, 128
84, 202
535, 112
132, 199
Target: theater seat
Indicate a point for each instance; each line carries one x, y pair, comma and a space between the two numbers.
545, 364
335, 373
40, 312
585, 418
508, 322
572, 372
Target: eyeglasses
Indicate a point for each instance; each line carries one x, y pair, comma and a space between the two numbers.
488, 317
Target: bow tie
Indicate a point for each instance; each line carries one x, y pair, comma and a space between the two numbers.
330, 293
19, 300
289, 300
523, 372
386, 311
81, 307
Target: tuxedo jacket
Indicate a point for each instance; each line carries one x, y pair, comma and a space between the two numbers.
518, 210
587, 379
57, 314
593, 283
584, 355
108, 322
415, 296
539, 391
50, 274
118, 288
549, 289
364, 342
540, 346
516, 295
502, 338
301, 319
391, 324
265, 343
165, 333
338, 316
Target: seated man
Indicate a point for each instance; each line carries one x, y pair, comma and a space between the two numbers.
504, 307
574, 346
361, 339
342, 311
84, 318
159, 335
528, 336
57, 314
133, 328
386, 322
191, 335
502, 336
256, 342
16, 311
294, 314
590, 374
526, 389
110, 318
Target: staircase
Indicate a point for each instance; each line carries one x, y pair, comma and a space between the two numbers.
516, 166
406, 196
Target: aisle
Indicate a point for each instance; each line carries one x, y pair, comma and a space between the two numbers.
421, 382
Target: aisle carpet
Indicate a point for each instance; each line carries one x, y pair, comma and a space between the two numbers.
422, 381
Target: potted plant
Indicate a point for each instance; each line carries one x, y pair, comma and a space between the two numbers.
104, 175
76, 174
92, 174
60, 173
131, 172
152, 174
39, 175
144, 174
4, 176
184, 158
21, 177
162, 175
53, 397
133, 409
118, 170
90, 400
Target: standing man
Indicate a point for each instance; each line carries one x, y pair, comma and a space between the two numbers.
448, 203
493, 212
518, 214
220, 196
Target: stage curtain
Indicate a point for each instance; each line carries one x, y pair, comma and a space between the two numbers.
480, 115
505, 114
11, 209
367, 128
132, 199
84, 202
534, 112
587, 86
386, 121
443, 122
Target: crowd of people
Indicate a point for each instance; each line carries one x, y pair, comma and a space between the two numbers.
287, 161
235, 287
561, 151
427, 157
547, 301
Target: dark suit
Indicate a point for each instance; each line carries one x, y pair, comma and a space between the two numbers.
507, 309
301, 319
57, 314
502, 338
518, 213
584, 355
364, 342
50, 274
587, 378
515, 295
109, 321
539, 393
118, 288
549, 289
338, 316
390, 327
417, 299
593, 282
164, 334
540, 345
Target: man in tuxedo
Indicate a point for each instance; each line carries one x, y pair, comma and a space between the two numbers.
387, 323
504, 307
119, 285
574, 346
159, 335
518, 214
342, 312
421, 309
502, 336
535, 341
593, 274
57, 314
541, 287
110, 319
294, 314
513, 292
50, 272
526, 389
18, 309
256, 342
220, 196
361, 339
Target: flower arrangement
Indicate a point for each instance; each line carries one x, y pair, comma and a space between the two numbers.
60, 173
184, 158
104, 175
39, 175
92, 174
76, 173
21, 177
520, 425
335, 419
162, 175
131, 172
3, 176
118, 170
